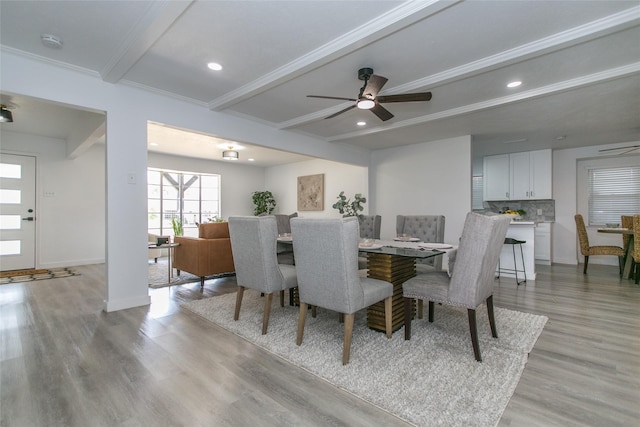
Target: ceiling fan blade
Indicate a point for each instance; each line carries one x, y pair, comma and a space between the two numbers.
332, 97
340, 112
382, 113
407, 97
374, 84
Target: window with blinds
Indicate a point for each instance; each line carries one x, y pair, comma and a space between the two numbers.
613, 192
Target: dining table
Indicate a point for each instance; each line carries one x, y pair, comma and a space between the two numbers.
394, 261
628, 256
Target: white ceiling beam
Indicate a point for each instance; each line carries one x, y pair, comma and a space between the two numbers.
592, 30
159, 17
396, 19
552, 89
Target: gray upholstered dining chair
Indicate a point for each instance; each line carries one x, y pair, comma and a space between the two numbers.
471, 282
370, 226
369, 229
427, 228
326, 252
253, 242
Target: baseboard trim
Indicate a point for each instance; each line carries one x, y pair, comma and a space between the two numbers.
125, 303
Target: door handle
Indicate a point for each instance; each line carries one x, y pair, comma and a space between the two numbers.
29, 218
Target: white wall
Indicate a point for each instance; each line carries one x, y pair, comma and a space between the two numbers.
282, 182
565, 249
128, 110
70, 220
424, 179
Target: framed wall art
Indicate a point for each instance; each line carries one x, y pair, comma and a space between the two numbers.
311, 192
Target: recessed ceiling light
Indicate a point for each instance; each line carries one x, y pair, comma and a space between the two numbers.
515, 83
51, 41
361, 123
214, 66
251, 160
153, 144
561, 137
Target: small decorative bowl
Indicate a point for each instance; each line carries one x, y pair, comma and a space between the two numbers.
366, 243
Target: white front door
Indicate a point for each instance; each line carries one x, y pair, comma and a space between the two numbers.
17, 212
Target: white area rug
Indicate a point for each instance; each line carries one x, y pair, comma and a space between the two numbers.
433, 379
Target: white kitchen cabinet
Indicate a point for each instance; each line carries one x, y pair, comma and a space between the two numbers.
540, 175
543, 243
496, 178
518, 176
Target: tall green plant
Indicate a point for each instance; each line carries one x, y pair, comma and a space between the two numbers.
263, 202
177, 226
350, 208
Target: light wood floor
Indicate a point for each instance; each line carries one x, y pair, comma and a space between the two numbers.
65, 362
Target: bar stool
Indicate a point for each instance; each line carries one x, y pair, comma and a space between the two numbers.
513, 243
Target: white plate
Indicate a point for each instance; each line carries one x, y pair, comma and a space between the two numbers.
435, 246
374, 246
411, 239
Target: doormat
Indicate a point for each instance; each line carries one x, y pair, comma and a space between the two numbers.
18, 276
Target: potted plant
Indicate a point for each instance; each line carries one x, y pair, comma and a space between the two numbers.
263, 202
350, 208
177, 226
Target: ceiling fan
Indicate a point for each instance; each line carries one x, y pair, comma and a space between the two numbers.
368, 98
623, 150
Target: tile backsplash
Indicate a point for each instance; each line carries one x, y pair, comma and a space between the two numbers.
547, 208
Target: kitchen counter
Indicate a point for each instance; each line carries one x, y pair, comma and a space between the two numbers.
520, 230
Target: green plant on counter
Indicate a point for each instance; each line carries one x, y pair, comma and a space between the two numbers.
263, 202
350, 208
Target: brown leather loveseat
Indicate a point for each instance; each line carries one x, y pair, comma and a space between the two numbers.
207, 254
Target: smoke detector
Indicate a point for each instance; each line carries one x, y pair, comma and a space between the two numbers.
51, 41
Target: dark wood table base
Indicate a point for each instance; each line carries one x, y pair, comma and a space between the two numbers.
395, 270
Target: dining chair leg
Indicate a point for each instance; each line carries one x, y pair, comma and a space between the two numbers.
239, 296
492, 319
388, 320
314, 311
586, 263
302, 316
282, 298
431, 311
621, 264
348, 332
473, 328
408, 308
267, 311
340, 317
420, 309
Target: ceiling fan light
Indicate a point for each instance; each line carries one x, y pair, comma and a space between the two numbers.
5, 115
366, 104
230, 155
